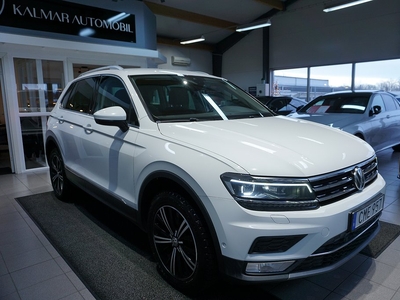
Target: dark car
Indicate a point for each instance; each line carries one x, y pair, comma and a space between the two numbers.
282, 105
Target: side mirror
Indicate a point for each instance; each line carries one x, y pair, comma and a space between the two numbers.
376, 109
112, 116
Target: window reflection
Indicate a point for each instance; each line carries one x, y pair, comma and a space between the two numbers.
53, 76
39, 84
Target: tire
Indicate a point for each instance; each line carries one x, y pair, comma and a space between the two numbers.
181, 244
61, 185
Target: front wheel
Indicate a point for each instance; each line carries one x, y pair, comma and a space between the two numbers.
59, 181
181, 243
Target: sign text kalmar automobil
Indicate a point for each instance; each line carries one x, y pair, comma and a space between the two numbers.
68, 18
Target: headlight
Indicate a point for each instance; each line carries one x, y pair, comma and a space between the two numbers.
270, 194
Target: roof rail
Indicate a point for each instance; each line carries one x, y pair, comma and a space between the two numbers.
114, 67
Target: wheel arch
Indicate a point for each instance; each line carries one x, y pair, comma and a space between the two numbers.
51, 143
360, 135
168, 181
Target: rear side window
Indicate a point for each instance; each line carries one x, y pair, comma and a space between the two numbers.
80, 96
389, 102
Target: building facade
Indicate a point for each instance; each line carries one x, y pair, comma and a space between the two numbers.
45, 44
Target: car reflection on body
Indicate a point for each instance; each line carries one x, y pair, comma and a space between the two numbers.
282, 105
373, 116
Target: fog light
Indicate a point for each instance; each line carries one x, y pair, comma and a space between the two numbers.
268, 267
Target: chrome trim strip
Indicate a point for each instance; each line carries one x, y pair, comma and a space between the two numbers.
349, 242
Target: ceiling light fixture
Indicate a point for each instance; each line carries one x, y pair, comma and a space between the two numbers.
254, 25
195, 40
345, 5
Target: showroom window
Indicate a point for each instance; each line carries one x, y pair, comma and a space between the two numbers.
291, 82
39, 84
377, 75
327, 79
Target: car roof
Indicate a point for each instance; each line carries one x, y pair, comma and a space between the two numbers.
354, 92
118, 70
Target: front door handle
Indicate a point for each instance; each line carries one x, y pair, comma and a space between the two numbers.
88, 128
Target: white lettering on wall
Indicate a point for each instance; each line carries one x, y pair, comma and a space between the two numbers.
62, 17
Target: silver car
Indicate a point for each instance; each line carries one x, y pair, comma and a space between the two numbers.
374, 116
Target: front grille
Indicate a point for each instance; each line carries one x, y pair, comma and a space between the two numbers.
335, 186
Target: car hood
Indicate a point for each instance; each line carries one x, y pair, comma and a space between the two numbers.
272, 146
333, 120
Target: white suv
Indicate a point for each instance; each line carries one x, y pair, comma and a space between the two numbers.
220, 183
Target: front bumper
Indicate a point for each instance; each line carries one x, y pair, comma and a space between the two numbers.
328, 257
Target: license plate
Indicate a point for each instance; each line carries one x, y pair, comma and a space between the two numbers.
364, 214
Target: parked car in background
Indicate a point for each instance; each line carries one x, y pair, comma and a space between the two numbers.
282, 105
373, 116
218, 182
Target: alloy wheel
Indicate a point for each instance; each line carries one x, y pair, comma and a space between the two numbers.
175, 243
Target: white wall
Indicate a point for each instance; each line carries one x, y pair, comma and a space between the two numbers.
201, 60
242, 64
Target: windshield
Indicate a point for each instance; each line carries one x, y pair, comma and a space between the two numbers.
195, 98
349, 104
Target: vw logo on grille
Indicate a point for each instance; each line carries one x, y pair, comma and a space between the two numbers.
359, 179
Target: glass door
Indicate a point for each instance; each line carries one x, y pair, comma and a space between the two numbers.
39, 84
5, 158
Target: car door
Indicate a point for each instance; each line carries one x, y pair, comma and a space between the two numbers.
391, 133
377, 122
107, 154
74, 114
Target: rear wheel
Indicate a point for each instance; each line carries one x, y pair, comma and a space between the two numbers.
181, 243
59, 181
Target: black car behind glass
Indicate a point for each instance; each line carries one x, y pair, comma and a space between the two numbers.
282, 105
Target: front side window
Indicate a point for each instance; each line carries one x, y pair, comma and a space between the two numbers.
195, 98
112, 92
378, 101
